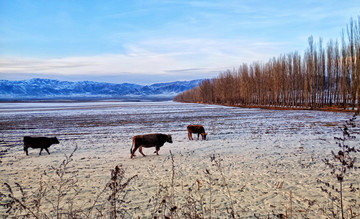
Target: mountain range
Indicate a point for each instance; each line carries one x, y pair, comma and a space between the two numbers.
53, 89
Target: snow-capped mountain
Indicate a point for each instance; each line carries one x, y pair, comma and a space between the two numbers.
52, 89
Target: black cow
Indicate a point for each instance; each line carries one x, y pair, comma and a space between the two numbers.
199, 129
39, 142
150, 140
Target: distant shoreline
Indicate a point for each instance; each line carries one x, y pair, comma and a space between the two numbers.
163, 99
86, 99
326, 108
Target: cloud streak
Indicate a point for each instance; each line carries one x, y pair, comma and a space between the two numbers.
173, 57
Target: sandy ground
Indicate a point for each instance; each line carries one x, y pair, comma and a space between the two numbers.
258, 162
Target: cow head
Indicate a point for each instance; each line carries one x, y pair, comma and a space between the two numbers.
169, 139
203, 135
54, 140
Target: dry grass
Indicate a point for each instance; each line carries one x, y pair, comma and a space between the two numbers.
340, 164
55, 196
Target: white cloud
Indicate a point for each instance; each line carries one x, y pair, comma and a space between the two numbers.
178, 58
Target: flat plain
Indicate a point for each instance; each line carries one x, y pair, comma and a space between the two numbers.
257, 162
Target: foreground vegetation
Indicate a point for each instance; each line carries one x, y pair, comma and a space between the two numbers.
326, 76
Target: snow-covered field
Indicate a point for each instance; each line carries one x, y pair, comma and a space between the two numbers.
269, 161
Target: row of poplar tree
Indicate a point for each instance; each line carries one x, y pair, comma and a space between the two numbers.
326, 75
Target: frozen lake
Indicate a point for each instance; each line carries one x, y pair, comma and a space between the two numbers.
260, 149
127, 119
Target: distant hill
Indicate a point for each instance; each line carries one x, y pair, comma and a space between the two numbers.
53, 89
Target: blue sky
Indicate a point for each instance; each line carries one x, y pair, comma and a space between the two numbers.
150, 41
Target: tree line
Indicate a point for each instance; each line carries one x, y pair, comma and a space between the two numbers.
325, 76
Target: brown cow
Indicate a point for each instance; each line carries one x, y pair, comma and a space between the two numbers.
199, 129
39, 142
150, 140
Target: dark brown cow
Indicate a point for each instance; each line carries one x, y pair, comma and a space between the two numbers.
199, 129
147, 141
39, 142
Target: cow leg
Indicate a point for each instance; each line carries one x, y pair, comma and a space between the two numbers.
140, 150
41, 150
47, 150
157, 150
198, 136
26, 150
190, 136
133, 151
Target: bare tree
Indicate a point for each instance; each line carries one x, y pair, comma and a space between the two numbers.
323, 77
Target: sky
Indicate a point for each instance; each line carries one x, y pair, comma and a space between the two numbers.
150, 41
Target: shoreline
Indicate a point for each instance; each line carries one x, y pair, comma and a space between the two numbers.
325, 109
161, 99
